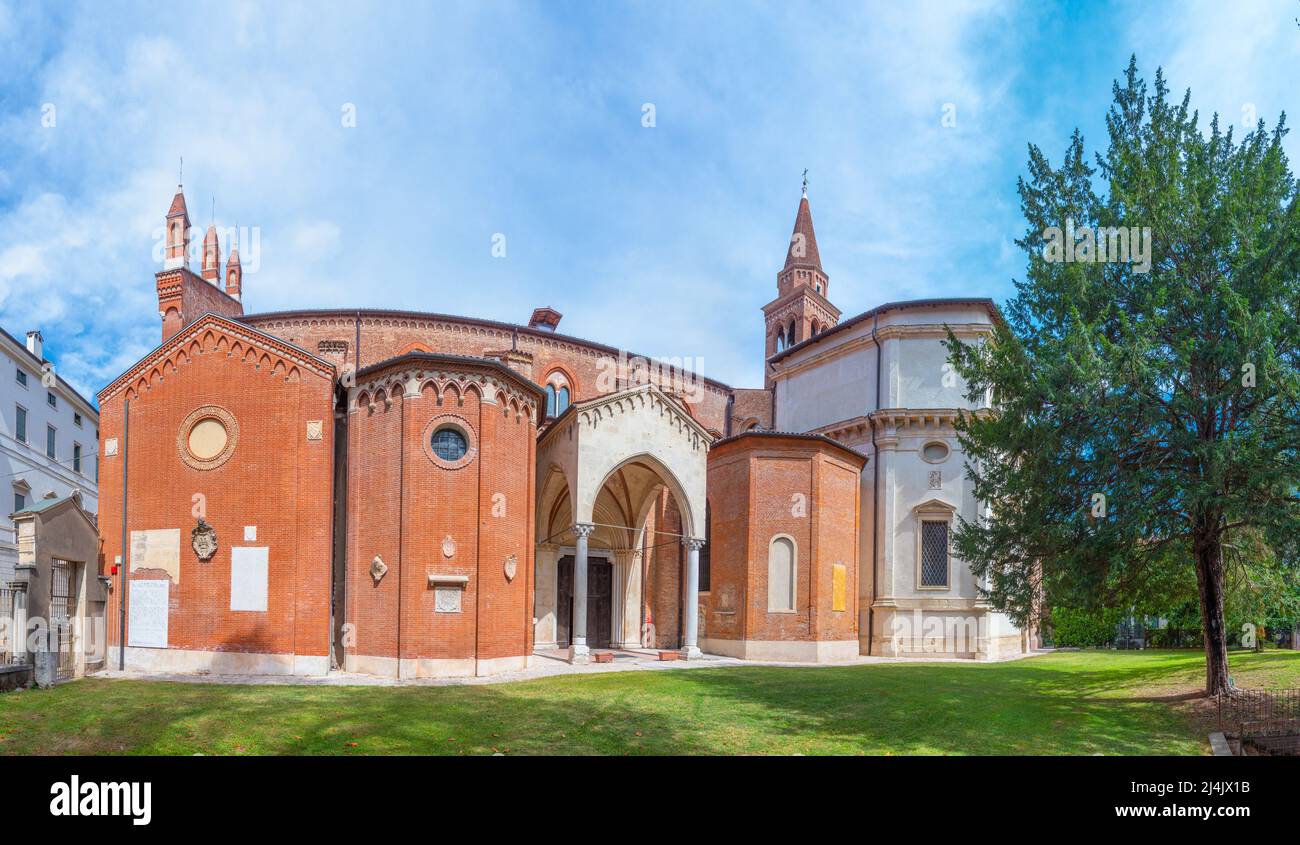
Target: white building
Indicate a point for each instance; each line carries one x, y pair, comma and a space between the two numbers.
49, 439
881, 383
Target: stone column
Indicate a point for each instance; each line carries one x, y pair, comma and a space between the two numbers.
691, 612
545, 598
627, 598
578, 651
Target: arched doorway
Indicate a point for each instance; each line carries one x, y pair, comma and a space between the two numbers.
620, 501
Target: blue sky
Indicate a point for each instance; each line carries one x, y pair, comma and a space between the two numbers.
526, 120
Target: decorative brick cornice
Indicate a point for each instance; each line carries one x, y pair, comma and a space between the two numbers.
410, 374
178, 347
504, 333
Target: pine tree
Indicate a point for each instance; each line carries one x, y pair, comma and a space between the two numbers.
1148, 410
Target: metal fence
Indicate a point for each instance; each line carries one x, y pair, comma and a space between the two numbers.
1265, 722
11, 624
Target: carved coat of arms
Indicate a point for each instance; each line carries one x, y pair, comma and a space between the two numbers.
204, 540
512, 566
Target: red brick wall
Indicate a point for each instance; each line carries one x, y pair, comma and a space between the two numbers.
384, 337
184, 297
402, 505
753, 482
276, 480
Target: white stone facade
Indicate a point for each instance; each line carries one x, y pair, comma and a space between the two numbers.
881, 383
26, 470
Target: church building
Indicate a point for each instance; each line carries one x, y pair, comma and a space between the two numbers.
414, 495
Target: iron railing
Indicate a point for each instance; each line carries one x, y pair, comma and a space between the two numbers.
1264, 721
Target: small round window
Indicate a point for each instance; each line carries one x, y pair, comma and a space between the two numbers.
935, 452
449, 444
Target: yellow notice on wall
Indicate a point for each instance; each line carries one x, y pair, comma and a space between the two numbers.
839, 578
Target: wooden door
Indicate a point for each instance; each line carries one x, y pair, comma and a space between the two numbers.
600, 602
600, 605
564, 600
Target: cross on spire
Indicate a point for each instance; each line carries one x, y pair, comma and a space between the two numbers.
805, 181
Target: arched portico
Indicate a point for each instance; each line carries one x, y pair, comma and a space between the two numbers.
603, 469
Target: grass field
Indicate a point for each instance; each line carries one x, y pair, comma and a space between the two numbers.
1063, 703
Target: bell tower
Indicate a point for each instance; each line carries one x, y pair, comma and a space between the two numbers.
801, 308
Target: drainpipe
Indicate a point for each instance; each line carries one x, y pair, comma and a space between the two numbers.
121, 584
875, 491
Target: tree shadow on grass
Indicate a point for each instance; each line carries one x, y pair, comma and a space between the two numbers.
1060, 704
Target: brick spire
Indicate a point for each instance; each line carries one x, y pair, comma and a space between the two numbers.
234, 270
211, 255
178, 232
803, 241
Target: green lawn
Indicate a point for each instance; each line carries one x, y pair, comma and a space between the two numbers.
1064, 703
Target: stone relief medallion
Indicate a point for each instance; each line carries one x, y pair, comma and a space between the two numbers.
378, 569
448, 546
446, 600
203, 538
512, 566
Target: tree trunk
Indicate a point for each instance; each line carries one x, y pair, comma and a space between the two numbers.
1209, 580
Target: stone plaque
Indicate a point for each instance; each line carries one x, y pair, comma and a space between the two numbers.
148, 605
315, 429
511, 567
248, 576
839, 579
158, 550
936, 479
446, 599
378, 569
110, 447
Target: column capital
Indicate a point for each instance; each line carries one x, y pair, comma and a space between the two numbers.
583, 529
693, 543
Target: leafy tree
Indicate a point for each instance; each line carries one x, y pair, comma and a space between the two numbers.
1147, 411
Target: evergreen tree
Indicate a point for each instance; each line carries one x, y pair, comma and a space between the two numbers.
1147, 410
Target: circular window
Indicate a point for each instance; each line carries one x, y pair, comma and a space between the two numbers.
449, 441
935, 453
207, 437
449, 444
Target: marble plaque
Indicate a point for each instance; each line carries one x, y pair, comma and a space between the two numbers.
248, 575
839, 595
147, 609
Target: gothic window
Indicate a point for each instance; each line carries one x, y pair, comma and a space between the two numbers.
780, 340
782, 559
790, 338
934, 554
559, 393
